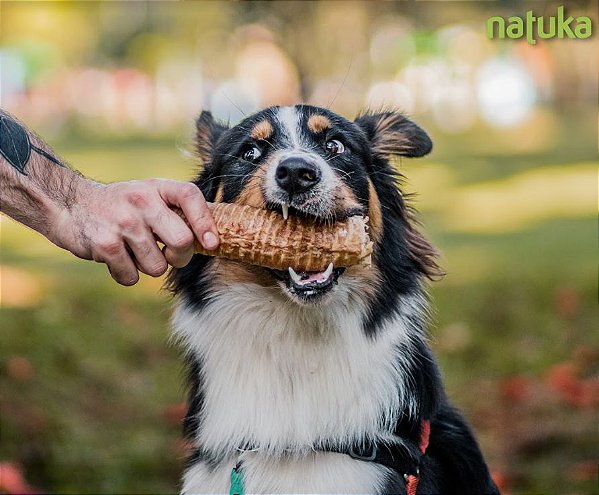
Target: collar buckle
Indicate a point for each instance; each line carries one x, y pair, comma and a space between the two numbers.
364, 454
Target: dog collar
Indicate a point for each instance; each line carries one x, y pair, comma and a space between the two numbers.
386, 454
383, 453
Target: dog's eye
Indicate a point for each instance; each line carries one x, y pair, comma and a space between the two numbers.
252, 154
335, 146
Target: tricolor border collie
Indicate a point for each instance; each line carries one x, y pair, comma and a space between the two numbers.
317, 382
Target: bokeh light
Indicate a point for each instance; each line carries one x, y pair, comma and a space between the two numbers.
505, 91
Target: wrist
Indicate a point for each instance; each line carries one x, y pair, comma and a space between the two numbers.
62, 210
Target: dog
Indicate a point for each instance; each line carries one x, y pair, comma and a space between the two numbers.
317, 382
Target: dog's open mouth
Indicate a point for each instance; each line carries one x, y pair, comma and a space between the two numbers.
309, 286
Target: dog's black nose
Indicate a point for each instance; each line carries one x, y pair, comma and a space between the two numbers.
296, 175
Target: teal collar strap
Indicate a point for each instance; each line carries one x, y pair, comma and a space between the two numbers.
237, 480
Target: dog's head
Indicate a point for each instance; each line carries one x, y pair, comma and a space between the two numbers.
309, 161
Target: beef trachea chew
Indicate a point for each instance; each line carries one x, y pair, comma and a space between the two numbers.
263, 237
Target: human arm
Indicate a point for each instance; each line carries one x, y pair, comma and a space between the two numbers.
117, 224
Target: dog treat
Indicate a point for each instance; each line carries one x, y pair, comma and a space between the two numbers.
265, 238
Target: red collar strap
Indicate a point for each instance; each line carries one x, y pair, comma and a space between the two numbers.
412, 480
425, 435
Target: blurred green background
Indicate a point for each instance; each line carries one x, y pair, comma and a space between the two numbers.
91, 387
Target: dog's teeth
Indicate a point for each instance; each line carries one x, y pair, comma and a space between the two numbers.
294, 276
285, 208
328, 271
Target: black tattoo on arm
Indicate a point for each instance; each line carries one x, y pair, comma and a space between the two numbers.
16, 147
32, 188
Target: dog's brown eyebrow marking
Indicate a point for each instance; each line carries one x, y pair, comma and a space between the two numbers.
318, 123
251, 194
262, 130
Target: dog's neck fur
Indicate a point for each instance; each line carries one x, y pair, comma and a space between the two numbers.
280, 378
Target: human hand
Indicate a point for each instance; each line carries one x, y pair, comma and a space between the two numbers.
120, 223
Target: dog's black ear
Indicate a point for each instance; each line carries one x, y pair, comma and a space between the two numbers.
390, 133
208, 131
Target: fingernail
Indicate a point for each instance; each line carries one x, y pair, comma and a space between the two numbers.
209, 240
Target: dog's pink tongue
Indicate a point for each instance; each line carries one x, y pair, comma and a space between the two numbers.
305, 278
313, 277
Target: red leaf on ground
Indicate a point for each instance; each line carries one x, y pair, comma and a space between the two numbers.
564, 379
19, 368
501, 479
515, 388
12, 480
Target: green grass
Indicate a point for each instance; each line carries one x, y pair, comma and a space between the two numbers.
91, 419
92, 413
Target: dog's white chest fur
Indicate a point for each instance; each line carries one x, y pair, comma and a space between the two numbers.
282, 379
